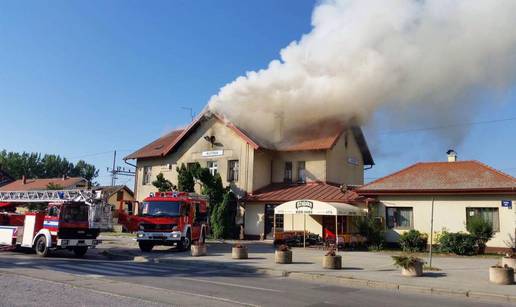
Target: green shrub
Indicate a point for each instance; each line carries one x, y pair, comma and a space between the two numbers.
458, 243
370, 228
406, 262
481, 230
413, 241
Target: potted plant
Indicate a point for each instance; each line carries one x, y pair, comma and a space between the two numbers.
502, 275
199, 249
331, 260
410, 265
283, 254
239, 251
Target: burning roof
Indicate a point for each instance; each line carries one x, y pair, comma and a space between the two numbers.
324, 138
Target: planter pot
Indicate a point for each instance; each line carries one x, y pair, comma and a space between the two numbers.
199, 250
501, 276
332, 262
509, 261
283, 257
239, 253
415, 270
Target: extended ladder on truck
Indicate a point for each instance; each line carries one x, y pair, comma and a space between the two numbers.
47, 196
72, 220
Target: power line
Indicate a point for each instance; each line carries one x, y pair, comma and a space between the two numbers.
449, 126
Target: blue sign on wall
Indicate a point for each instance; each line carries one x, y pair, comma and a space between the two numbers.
507, 203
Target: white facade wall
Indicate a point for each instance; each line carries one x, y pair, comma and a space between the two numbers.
450, 214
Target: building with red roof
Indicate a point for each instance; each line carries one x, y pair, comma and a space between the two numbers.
25, 184
454, 191
313, 164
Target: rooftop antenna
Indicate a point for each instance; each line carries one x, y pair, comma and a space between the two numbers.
192, 115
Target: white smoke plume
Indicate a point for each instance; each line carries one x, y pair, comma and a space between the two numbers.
364, 55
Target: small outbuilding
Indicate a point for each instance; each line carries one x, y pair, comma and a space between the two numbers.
444, 196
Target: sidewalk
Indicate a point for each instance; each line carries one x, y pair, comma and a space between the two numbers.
462, 276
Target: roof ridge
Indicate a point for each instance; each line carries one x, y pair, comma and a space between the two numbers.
391, 175
495, 170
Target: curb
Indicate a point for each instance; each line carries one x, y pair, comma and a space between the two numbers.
340, 280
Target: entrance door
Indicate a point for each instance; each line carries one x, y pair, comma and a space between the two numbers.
269, 221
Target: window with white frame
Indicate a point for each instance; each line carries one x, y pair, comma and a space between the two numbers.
400, 217
147, 173
213, 167
233, 167
489, 215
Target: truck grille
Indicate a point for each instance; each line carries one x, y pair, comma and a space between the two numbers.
77, 233
157, 227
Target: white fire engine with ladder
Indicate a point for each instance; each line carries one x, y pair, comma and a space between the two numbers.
71, 220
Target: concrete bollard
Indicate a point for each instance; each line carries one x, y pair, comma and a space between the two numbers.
239, 252
199, 250
283, 257
332, 262
501, 275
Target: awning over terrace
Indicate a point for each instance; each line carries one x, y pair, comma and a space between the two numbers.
315, 207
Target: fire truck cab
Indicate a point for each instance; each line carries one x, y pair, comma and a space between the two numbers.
70, 221
173, 219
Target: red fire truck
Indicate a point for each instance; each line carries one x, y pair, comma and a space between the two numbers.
72, 220
168, 218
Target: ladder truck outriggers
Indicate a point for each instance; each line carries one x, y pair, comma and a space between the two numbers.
72, 220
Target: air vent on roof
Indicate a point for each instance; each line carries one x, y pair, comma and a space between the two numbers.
159, 146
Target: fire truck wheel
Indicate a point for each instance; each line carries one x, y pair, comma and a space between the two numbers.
186, 242
79, 251
145, 246
41, 247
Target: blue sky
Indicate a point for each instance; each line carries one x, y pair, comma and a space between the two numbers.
81, 79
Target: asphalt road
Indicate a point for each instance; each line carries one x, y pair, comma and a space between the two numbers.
27, 280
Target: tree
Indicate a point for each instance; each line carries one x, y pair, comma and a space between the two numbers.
185, 179
32, 165
223, 217
163, 184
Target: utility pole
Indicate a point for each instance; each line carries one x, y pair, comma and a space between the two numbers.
192, 115
113, 176
117, 170
431, 233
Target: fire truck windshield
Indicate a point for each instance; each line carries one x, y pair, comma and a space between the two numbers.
161, 208
74, 213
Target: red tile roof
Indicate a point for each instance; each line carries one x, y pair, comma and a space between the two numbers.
443, 177
281, 192
158, 147
41, 184
325, 139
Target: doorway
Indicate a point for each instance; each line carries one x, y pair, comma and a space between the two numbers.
269, 221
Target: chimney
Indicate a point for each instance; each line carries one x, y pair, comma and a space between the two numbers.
24, 179
452, 155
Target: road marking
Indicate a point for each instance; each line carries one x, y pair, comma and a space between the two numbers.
221, 283
217, 298
76, 269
